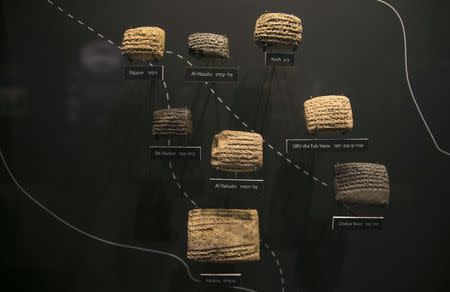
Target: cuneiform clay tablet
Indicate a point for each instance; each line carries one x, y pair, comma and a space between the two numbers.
173, 121
328, 113
144, 43
278, 29
223, 235
361, 184
209, 45
237, 151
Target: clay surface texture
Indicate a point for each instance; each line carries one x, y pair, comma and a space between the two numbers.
362, 184
174, 121
278, 29
223, 235
328, 113
144, 43
209, 45
237, 151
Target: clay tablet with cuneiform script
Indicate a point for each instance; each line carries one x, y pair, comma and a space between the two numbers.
144, 43
223, 235
361, 184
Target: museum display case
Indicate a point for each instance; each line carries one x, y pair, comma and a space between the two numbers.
224, 146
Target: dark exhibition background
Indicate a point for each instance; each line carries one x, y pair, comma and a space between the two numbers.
77, 138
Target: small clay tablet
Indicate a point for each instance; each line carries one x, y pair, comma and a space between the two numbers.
328, 113
144, 43
174, 121
361, 184
237, 151
209, 45
278, 30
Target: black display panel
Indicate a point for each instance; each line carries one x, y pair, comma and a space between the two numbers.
76, 135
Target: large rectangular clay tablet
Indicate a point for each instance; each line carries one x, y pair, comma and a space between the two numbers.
223, 235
